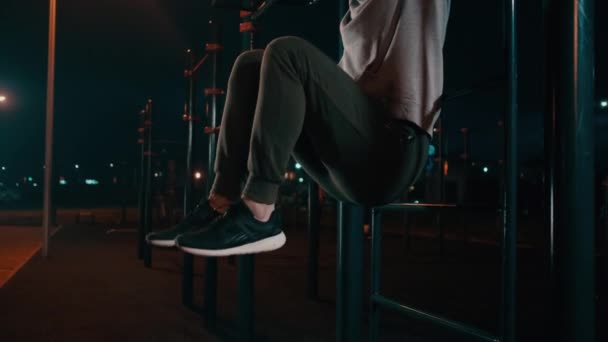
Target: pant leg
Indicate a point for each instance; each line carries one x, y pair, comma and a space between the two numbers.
309, 106
237, 120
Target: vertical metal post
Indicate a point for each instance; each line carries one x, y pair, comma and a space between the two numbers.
210, 290
442, 157
187, 279
375, 272
141, 245
190, 117
550, 156
246, 263
509, 245
574, 175
214, 29
148, 183
188, 259
349, 273
314, 216
48, 153
245, 318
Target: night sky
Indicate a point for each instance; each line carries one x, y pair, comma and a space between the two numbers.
112, 55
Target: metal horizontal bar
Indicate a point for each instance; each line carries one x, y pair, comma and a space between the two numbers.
434, 319
412, 207
422, 207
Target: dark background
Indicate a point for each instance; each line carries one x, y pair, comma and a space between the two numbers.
113, 55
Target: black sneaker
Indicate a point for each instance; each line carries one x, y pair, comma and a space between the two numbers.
235, 233
199, 218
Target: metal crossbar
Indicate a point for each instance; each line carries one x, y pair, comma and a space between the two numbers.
387, 303
378, 301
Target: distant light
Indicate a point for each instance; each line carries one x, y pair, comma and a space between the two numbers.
91, 182
111, 164
17, 184
298, 166
30, 179
4, 168
198, 175
485, 169
35, 185
76, 166
155, 174
301, 180
604, 103
417, 202
63, 182
2, 98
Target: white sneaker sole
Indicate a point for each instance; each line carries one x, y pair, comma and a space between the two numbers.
266, 245
161, 243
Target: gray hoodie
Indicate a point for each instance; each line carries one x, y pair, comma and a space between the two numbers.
393, 50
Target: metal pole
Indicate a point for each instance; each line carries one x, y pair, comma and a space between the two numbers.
142, 192
148, 182
211, 267
188, 259
574, 175
190, 114
549, 156
375, 271
313, 239
214, 48
509, 245
349, 273
50, 102
246, 263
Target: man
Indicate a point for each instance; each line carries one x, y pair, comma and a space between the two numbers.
360, 129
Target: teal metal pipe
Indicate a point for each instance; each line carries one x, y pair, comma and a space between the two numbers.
245, 315
375, 272
148, 183
188, 259
509, 241
349, 273
574, 232
314, 227
141, 241
437, 320
187, 279
210, 286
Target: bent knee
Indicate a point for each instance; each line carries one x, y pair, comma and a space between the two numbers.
286, 44
249, 57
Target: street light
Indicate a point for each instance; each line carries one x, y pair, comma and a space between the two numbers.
603, 103
2, 99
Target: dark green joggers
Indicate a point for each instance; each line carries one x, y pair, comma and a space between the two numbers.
291, 99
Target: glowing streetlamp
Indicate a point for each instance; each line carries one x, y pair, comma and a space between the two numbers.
198, 175
603, 103
3, 98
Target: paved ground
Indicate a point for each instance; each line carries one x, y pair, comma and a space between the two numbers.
17, 245
93, 288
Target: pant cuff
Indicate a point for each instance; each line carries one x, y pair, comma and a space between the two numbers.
261, 191
227, 186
